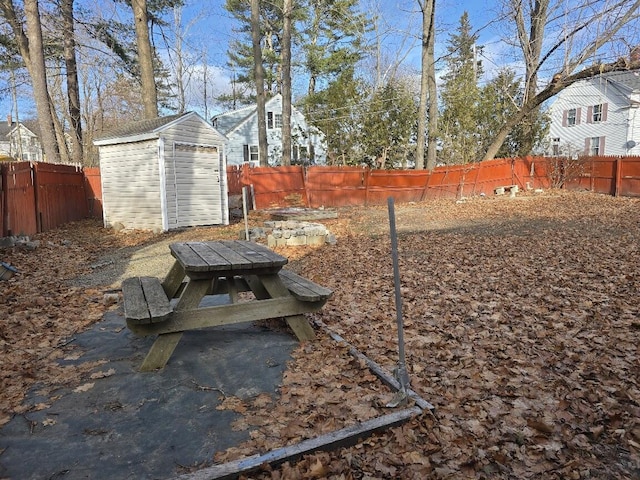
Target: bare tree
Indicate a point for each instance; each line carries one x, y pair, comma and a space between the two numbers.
31, 50
596, 27
179, 64
73, 89
427, 7
388, 63
145, 58
259, 78
286, 83
184, 64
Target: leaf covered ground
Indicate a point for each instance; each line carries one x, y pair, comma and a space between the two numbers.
522, 327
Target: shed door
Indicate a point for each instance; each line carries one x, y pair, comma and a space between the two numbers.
196, 186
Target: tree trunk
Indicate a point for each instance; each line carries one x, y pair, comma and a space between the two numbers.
427, 7
179, 67
432, 113
73, 89
286, 84
34, 59
259, 78
145, 59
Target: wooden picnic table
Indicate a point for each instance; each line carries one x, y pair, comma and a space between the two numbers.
225, 267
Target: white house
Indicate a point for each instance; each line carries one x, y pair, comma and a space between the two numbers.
597, 116
164, 173
19, 141
241, 129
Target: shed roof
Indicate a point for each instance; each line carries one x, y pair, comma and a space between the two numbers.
147, 129
140, 127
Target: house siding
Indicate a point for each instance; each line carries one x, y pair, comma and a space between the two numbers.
242, 129
131, 185
619, 124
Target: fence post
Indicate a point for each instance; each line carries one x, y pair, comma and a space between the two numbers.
616, 191
36, 187
426, 185
304, 172
4, 209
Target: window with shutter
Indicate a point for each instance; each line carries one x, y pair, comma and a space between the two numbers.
596, 113
595, 146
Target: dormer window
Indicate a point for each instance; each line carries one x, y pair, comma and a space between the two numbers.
274, 120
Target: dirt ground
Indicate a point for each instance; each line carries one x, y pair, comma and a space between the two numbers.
522, 328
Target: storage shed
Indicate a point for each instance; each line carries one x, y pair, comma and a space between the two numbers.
165, 173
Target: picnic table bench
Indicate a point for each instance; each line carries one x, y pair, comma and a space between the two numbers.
217, 268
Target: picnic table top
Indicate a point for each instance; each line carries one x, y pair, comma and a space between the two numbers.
226, 257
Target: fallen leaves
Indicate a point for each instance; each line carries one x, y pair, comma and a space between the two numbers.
521, 326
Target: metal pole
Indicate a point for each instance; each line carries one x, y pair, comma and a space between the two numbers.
402, 375
244, 213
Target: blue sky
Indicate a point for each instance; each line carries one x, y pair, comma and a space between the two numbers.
400, 20
210, 28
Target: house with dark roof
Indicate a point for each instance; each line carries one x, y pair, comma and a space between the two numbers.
597, 116
20, 140
164, 173
308, 145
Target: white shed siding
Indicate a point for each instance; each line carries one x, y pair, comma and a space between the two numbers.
165, 175
194, 193
193, 160
621, 124
192, 130
131, 185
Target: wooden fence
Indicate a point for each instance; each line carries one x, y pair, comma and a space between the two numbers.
345, 186
36, 197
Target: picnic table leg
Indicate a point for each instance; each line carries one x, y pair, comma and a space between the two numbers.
165, 344
233, 289
173, 281
271, 286
161, 351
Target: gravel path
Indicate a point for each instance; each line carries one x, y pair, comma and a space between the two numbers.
149, 260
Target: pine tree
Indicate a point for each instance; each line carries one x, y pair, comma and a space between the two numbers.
460, 95
240, 50
503, 97
389, 126
332, 39
334, 111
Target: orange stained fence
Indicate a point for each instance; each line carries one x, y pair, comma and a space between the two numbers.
619, 176
36, 197
627, 177
19, 200
338, 186
93, 191
60, 195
